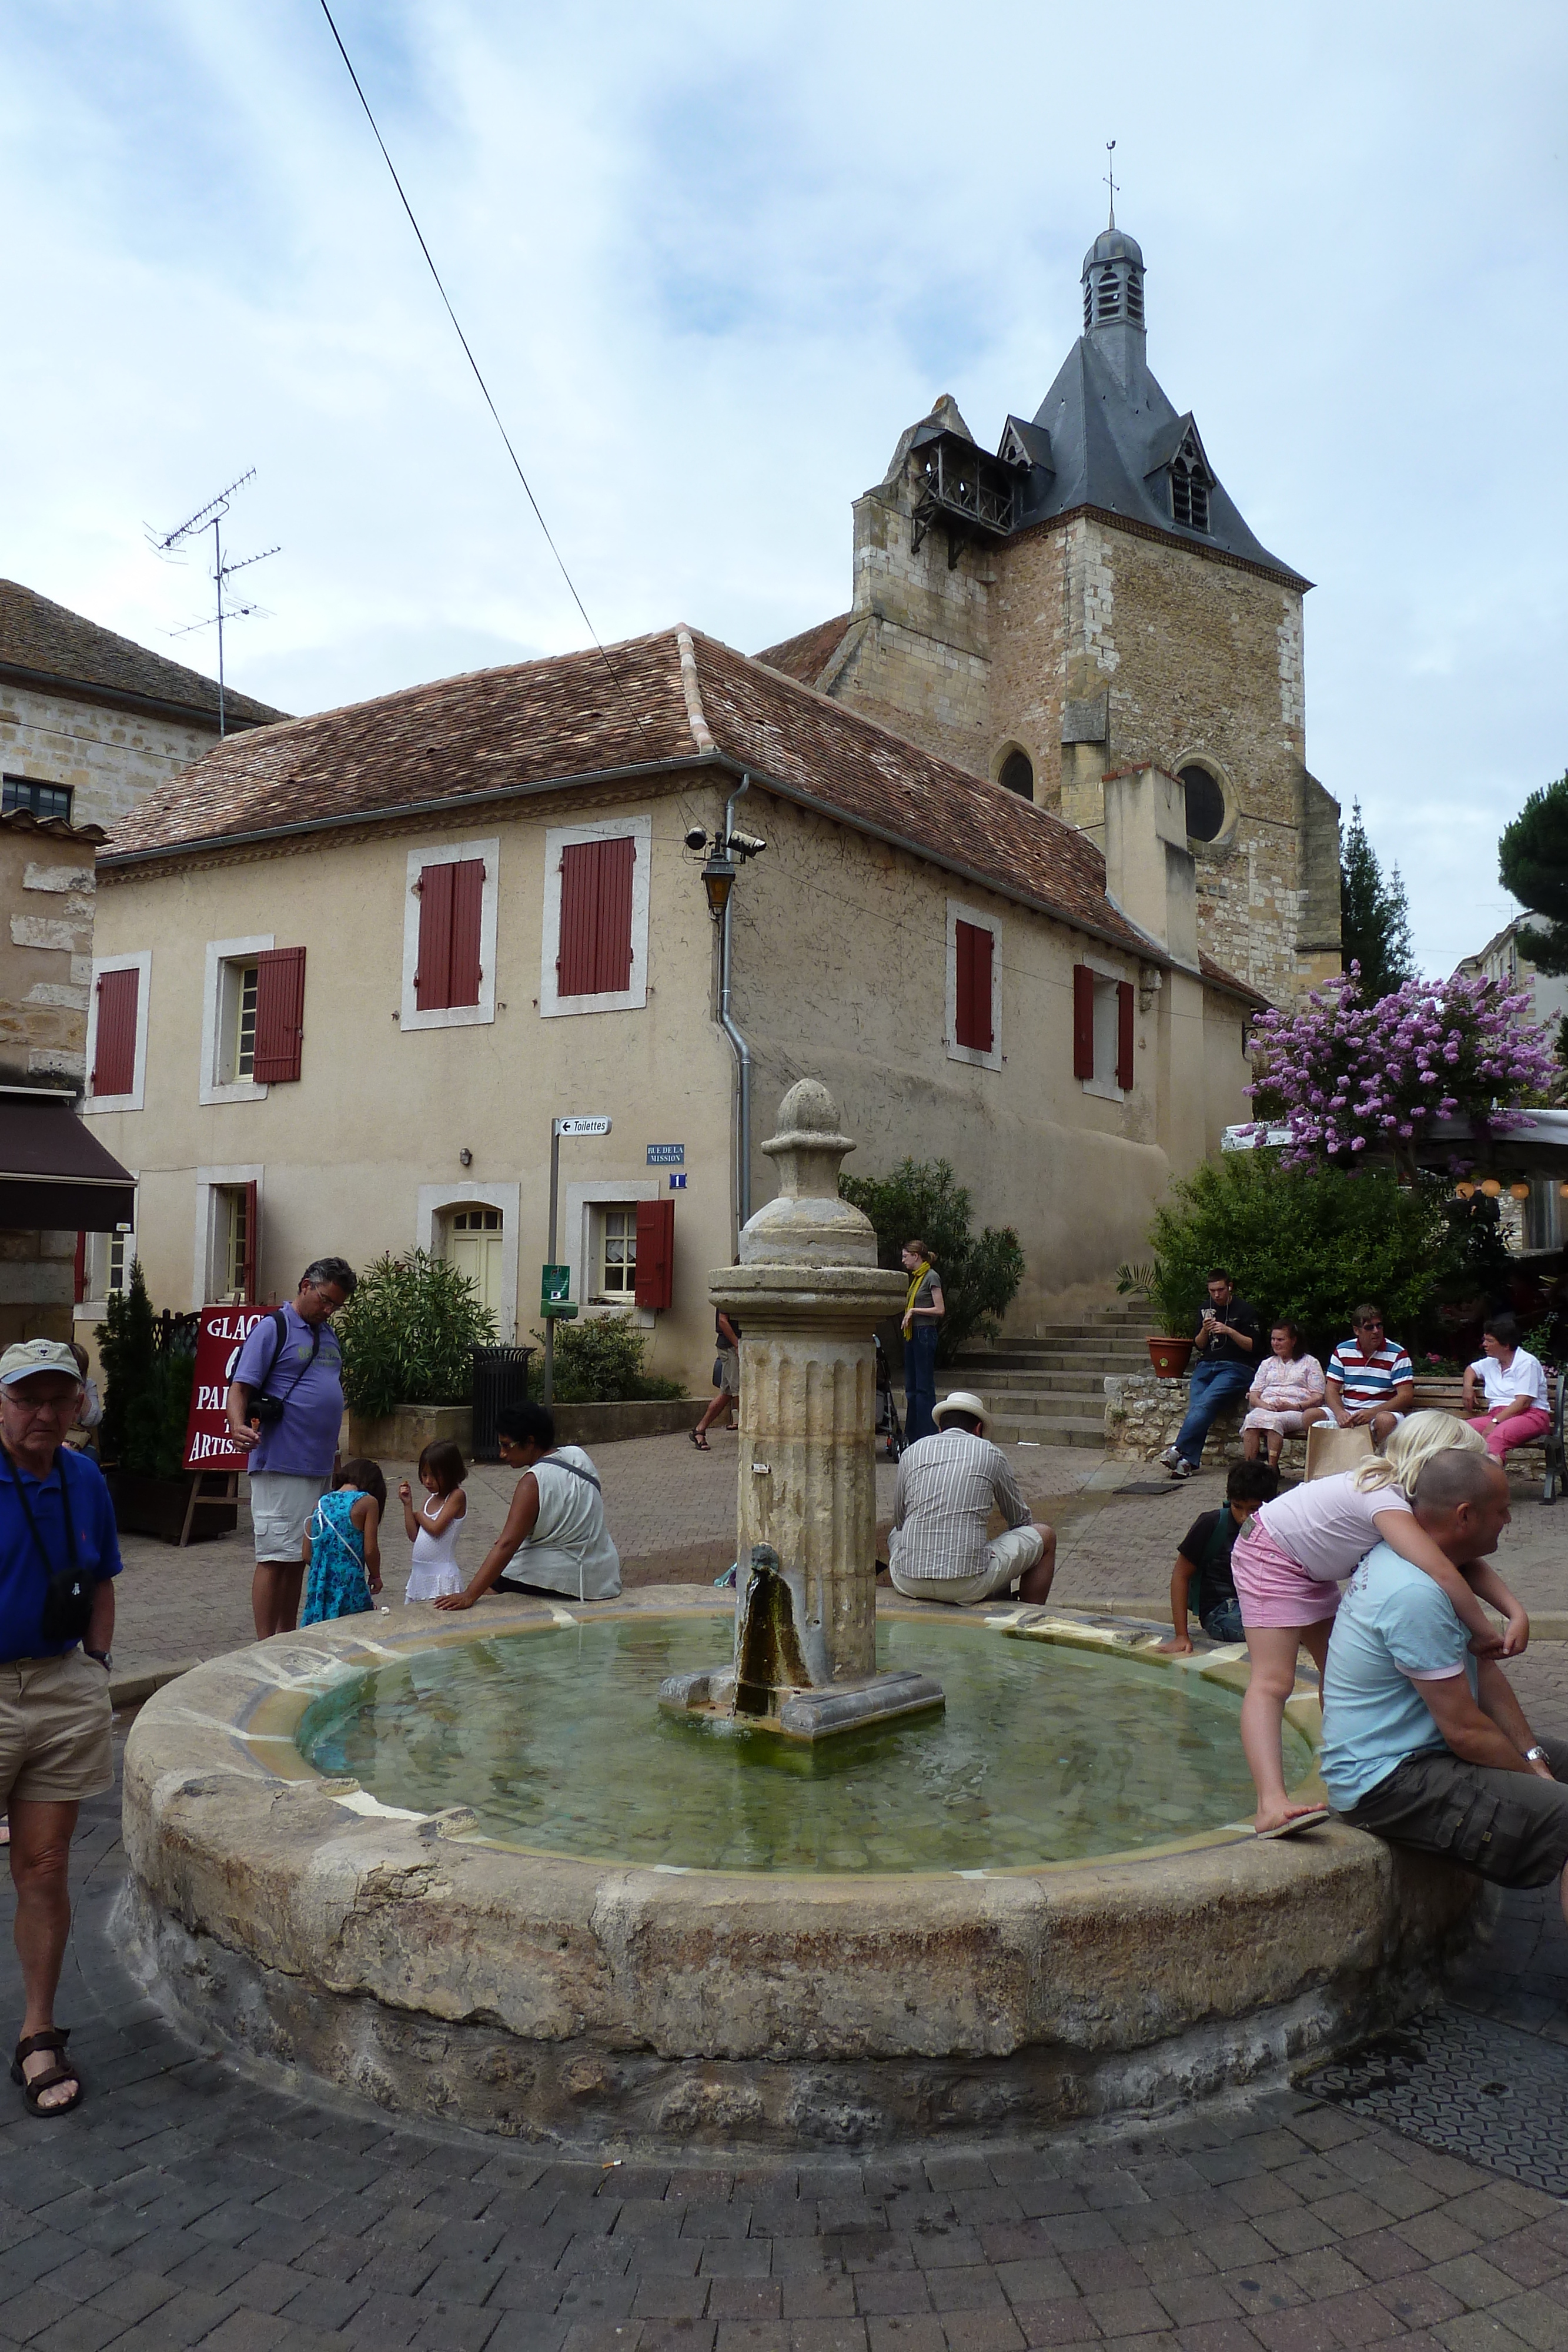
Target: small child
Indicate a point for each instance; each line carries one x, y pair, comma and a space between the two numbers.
1201, 1579
432, 1528
342, 1549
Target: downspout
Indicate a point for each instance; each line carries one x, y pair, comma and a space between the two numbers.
742, 1050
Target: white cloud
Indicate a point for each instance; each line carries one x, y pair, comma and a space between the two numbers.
713, 261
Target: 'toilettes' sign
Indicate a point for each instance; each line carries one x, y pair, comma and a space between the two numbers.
221, 1334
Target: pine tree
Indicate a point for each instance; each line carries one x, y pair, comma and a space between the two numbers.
1375, 918
1532, 864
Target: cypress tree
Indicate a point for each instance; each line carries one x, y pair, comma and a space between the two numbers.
1532, 864
1375, 917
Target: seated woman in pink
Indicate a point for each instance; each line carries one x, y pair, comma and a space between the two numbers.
1515, 1387
1287, 1396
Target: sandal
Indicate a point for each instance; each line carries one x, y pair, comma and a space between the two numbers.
699, 1441
55, 2039
1314, 1820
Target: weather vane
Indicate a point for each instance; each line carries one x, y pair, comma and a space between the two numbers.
1111, 178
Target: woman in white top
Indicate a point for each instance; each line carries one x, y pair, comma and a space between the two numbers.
1516, 1408
556, 1524
1286, 1396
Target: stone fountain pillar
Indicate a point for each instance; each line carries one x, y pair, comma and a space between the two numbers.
808, 1293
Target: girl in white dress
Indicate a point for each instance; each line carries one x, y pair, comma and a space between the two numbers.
432, 1528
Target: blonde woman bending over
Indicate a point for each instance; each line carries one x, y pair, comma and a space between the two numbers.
1289, 1566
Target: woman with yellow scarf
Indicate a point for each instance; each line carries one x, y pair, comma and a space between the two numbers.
923, 1311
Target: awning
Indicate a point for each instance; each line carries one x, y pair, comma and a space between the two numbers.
54, 1175
1536, 1145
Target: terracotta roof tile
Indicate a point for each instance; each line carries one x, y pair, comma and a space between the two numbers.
806, 656
43, 640
560, 720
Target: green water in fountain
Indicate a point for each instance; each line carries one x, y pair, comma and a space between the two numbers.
555, 1739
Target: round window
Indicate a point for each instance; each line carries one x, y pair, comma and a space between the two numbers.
1017, 773
1205, 804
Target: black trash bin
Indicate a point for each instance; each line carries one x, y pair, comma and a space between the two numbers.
500, 1378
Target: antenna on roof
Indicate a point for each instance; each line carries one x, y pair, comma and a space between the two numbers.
209, 518
1111, 177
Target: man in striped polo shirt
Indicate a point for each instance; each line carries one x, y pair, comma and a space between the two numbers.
1370, 1381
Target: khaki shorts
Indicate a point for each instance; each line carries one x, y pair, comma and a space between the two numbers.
727, 1365
1509, 1827
280, 1509
1007, 1557
55, 1742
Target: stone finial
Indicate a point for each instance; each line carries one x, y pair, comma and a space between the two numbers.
808, 1224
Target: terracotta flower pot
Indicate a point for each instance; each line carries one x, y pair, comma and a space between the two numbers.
1169, 1357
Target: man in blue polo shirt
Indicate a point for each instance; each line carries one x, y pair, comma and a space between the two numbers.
56, 1530
292, 1359
1424, 1743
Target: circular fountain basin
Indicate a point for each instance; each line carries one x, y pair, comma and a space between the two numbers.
464, 1865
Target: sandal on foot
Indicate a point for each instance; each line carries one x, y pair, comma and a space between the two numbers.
700, 1442
33, 2086
1312, 1821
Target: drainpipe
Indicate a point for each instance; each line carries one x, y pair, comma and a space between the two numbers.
742, 1050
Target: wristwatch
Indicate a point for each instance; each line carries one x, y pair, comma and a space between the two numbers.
1536, 1756
105, 1658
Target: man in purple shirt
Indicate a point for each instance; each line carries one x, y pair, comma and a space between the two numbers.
291, 1358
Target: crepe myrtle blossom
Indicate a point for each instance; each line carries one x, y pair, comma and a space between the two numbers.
1347, 1078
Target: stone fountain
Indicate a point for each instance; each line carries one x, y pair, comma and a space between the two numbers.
808, 1293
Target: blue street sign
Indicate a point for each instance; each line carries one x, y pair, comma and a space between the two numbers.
666, 1155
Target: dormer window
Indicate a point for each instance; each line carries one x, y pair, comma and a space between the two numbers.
1191, 482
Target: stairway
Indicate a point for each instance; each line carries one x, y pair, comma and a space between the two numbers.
1052, 1390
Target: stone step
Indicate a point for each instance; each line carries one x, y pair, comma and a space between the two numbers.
1054, 1352
1080, 1382
1057, 1430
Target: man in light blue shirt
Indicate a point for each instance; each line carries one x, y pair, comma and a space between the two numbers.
1424, 1743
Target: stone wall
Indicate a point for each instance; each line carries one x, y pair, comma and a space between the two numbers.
1142, 1415
36, 1282
48, 894
109, 759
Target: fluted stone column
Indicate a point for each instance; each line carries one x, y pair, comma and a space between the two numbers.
808, 1293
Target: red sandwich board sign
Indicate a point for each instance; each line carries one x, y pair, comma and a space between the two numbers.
221, 1334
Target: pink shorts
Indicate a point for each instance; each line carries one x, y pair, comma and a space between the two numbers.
1272, 1588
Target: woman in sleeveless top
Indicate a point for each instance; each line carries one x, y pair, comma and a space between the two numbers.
554, 1527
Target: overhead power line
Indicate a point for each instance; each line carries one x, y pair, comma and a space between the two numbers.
478, 377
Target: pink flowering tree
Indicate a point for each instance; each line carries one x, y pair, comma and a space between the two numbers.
1350, 1079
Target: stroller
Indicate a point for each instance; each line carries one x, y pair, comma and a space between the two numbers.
889, 1428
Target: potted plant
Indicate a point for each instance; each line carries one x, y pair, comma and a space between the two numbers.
1171, 1348
408, 1336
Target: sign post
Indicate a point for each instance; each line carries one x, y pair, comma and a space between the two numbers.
555, 1281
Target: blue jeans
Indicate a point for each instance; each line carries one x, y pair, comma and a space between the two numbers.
920, 1382
1213, 1385
1224, 1624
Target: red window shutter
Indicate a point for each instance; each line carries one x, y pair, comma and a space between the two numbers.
114, 1060
252, 1238
655, 1250
1083, 1022
595, 958
972, 1011
467, 902
279, 1015
1124, 1036
434, 974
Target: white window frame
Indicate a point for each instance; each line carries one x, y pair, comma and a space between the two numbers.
958, 912
209, 1183
581, 1201
631, 999
223, 958
136, 1099
1105, 1089
93, 1310
451, 1016
435, 1201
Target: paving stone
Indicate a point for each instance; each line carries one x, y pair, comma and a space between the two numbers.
1541, 2319
900, 2334
901, 2295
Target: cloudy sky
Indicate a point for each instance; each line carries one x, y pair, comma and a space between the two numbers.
713, 259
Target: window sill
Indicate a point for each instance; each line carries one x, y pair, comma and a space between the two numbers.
988, 1060
235, 1090
1106, 1090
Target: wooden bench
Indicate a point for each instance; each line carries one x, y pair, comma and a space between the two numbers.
1542, 1459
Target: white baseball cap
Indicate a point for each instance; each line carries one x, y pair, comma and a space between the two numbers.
29, 1355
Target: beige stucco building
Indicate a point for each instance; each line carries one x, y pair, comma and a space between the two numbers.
89, 722
1090, 599
368, 957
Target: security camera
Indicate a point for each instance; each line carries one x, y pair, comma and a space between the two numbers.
747, 844
696, 838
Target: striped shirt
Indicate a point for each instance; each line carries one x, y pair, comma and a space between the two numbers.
1369, 1380
948, 1486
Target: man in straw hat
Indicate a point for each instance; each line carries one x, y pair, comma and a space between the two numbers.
948, 1486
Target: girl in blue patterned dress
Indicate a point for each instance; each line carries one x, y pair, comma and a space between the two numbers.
342, 1548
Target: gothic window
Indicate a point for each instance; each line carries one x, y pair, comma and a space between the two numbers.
1190, 481
1017, 774
1205, 804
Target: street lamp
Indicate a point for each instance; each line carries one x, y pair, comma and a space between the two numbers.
718, 881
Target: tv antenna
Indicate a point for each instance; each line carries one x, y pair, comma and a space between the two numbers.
211, 518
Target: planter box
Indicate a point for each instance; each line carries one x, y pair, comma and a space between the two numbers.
156, 1507
605, 1424
402, 1435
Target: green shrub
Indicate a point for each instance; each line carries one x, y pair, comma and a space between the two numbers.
406, 1334
600, 1361
147, 1393
1304, 1243
980, 1275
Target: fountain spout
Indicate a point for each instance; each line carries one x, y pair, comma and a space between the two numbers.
808, 1293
